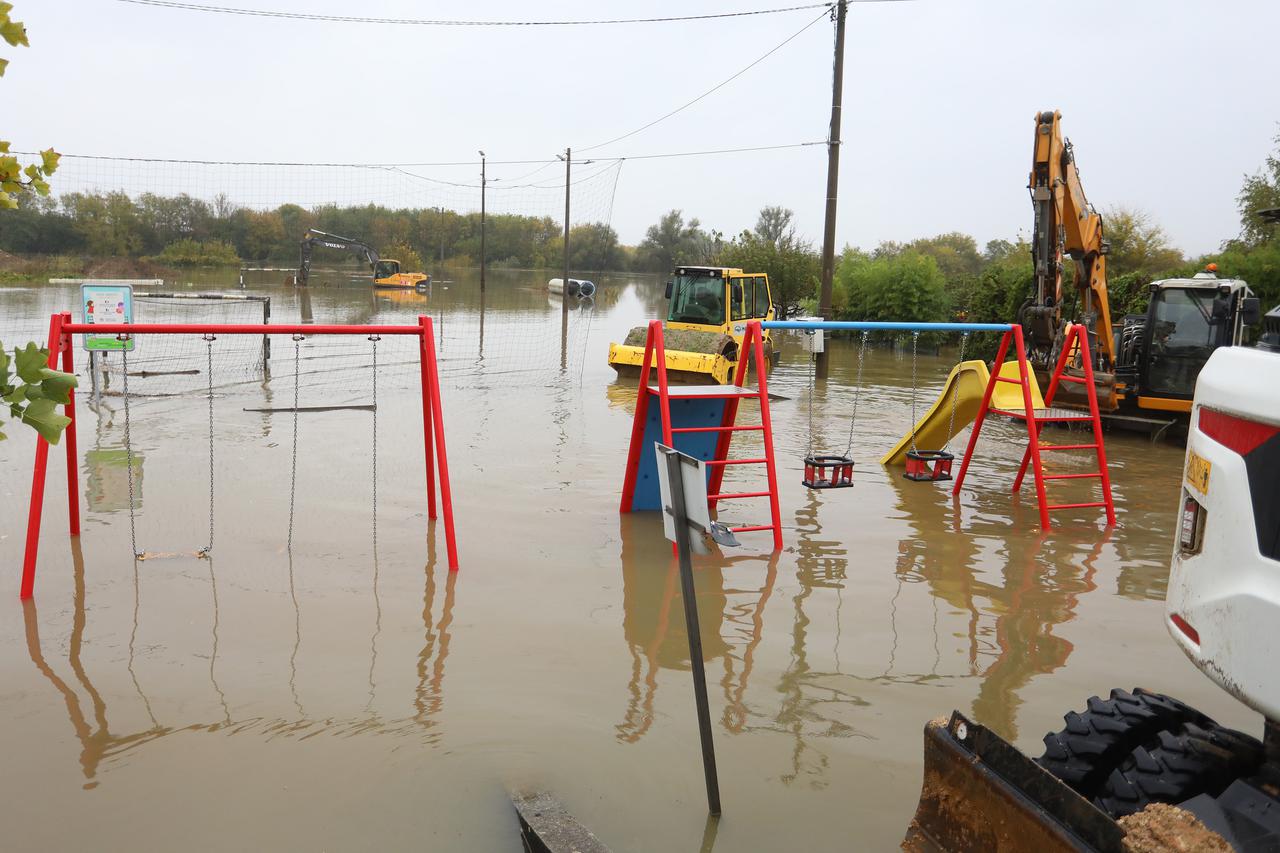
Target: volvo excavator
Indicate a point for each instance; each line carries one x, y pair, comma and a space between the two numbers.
1146, 369
386, 272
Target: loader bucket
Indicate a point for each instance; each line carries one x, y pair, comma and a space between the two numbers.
692, 355
982, 794
1074, 395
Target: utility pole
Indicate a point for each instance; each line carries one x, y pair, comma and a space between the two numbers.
564, 298
482, 188
833, 182
442, 236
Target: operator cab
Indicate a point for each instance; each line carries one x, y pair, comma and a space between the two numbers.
1187, 320
385, 269
717, 296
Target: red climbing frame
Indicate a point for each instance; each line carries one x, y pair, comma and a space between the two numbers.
61, 347
1076, 343
655, 359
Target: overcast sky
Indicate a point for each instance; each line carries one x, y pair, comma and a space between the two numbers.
1169, 102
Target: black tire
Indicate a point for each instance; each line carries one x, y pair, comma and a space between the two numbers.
1178, 766
1093, 744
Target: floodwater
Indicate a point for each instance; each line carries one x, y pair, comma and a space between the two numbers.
350, 693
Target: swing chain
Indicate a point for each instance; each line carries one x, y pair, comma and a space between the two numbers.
955, 395
915, 340
375, 339
857, 392
293, 467
128, 445
813, 371
209, 339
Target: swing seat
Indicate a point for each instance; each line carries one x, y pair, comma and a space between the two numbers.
828, 472
928, 465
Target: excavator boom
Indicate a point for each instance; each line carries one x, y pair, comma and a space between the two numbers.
1066, 225
331, 241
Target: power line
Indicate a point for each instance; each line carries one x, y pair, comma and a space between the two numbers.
428, 22
386, 166
714, 88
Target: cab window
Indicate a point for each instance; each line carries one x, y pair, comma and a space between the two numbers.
762, 305
740, 294
697, 299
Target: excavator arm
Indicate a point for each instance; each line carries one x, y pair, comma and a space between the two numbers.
316, 238
1065, 225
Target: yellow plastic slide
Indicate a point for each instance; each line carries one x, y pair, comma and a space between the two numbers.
967, 382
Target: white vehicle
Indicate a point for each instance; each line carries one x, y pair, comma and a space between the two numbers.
1135, 749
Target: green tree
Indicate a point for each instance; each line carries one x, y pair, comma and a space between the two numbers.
199, 253
956, 254
906, 287
593, 247
1138, 244
774, 225
793, 268
1261, 191
672, 241
410, 260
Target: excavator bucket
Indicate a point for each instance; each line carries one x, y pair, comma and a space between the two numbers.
982, 794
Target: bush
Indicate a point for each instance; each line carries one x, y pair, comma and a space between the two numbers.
195, 253
410, 260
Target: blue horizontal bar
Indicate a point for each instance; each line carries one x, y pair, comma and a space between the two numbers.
867, 326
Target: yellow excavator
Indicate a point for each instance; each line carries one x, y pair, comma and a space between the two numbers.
1145, 371
706, 320
386, 271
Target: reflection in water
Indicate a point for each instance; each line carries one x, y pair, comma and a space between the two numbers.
98, 742
654, 627
1036, 587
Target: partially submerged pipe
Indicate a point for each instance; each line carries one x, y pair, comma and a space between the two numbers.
577, 287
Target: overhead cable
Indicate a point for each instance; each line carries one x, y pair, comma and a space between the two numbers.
713, 89
432, 22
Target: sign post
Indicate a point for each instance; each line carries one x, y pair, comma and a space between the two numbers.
683, 483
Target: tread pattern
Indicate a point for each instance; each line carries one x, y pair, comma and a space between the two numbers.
1179, 765
1094, 743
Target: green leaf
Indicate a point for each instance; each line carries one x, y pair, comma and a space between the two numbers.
43, 416
15, 33
57, 386
5, 361
16, 394
31, 362
50, 159
4, 63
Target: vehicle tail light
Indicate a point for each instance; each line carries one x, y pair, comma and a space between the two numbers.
1191, 529
1185, 627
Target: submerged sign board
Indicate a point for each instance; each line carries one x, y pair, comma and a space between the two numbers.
106, 302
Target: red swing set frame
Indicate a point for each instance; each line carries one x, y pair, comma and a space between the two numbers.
61, 350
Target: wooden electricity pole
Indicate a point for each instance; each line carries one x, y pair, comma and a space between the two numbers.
833, 182
482, 189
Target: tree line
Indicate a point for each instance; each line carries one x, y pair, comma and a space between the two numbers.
944, 277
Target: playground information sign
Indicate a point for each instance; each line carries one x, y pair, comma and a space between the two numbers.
105, 302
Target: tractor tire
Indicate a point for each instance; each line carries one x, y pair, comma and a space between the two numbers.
1093, 744
1178, 766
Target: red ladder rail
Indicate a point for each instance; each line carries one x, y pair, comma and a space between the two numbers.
752, 349
1036, 419
1078, 336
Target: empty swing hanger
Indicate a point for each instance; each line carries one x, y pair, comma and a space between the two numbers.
832, 471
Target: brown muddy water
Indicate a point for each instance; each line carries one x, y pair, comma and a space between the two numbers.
342, 696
